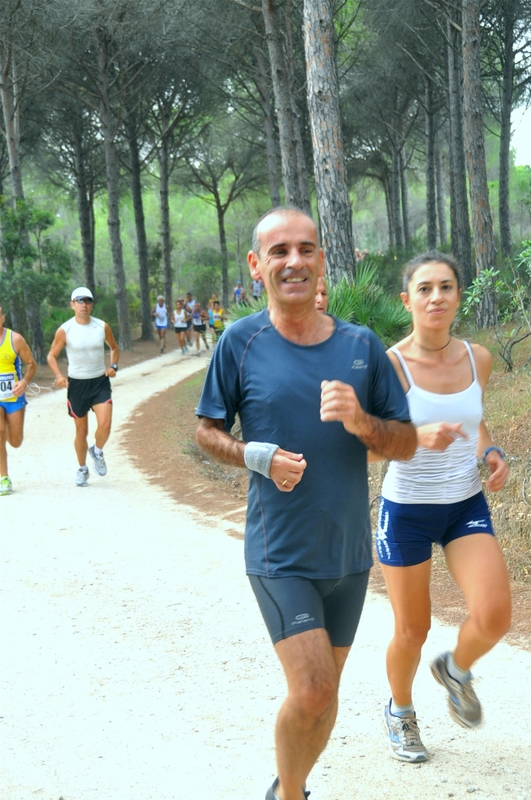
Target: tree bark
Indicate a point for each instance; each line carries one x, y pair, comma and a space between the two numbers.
165, 229
475, 156
269, 129
11, 110
404, 189
333, 200
508, 10
281, 89
224, 252
113, 211
461, 240
441, 194
389, 208
395, 196
141, 238
431, 203
85, 205
302, 171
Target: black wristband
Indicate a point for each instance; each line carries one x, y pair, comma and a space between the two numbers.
114, 367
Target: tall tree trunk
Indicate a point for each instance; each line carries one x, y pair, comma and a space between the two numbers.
113, 210
508, 10
441, 195
85, 207
224, 252
461, 240
141, 238
475, 157
395, 196
302, 170
165, 229
431, 204
281, 89
389, 208
404, 190
333, 200
11, 110
269, 129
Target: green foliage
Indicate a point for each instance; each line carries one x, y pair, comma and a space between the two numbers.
206, 274
240, 310
366, 302
513, 293
105, 307
156, 277
52, 320
33, 263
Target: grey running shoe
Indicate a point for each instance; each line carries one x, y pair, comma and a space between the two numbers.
99, 462
6, 487
463, 703
270, 794
82, 476
404, 737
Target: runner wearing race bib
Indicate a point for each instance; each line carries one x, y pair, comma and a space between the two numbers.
13, 351
160, 314
180, 319
199, 319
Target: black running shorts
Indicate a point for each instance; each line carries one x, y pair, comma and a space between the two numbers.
84, 394
293, 605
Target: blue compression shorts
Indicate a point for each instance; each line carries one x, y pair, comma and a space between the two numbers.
294, 605
406, 532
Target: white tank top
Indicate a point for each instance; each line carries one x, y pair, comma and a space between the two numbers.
85, 348
161, 316
179, 318
430, 476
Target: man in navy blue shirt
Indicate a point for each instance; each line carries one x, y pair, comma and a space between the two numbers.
313, 394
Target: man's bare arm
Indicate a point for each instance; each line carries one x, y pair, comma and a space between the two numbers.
57, 345
212, 439
286, 470
391, 439
24, 351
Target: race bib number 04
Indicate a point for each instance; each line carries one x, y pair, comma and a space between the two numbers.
7, 379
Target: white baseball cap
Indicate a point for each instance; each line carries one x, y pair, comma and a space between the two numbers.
81, 291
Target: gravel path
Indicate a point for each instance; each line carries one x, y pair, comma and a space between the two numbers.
135, 664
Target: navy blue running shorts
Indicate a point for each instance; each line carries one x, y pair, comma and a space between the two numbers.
405, 532
293, 605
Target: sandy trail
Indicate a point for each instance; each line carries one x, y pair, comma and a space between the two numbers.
135, 664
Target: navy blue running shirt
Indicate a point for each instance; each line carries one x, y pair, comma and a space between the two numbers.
320, 530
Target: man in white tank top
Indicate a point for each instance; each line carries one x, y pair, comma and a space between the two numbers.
88, 381
160, 315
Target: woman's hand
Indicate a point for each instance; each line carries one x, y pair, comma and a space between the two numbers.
499, 471
440, 435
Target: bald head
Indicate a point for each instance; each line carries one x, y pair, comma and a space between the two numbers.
268, 217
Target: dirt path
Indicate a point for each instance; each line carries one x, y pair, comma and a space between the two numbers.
135, 663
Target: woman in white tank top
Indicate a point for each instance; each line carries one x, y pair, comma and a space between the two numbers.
437, 497
180, 318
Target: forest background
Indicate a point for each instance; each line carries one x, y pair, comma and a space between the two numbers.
142, 139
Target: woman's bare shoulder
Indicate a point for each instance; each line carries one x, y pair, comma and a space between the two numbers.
483, 360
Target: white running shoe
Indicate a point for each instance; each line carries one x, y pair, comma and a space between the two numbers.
463, 702
99, 462
82, 476
404, 737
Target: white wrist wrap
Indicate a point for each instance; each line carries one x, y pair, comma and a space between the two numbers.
258, 457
